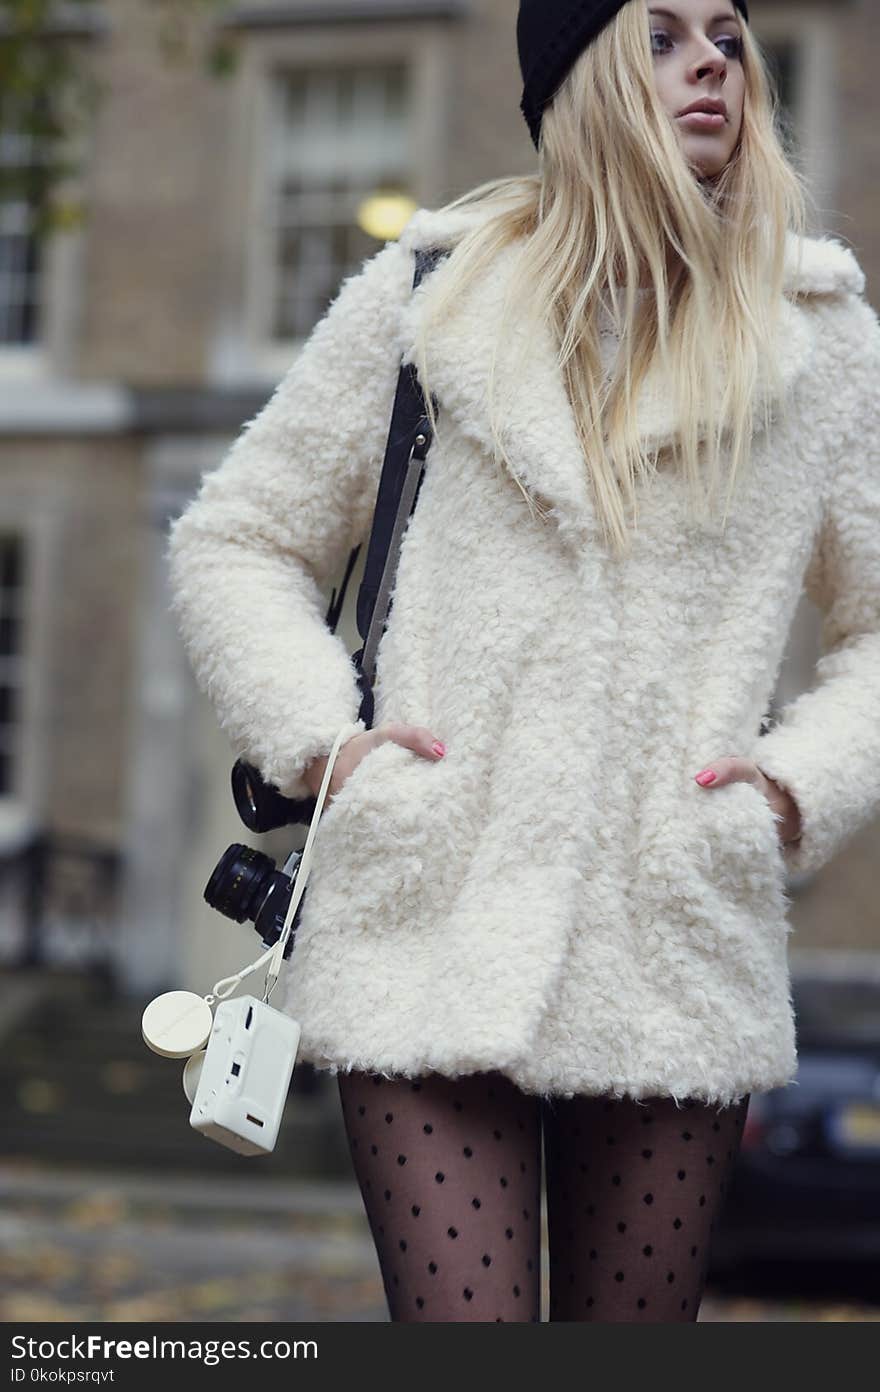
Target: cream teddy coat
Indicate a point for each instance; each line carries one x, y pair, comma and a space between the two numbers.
557, 898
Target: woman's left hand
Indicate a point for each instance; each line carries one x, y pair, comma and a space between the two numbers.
733, 769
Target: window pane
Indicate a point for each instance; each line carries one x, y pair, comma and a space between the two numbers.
782, 59
10, 562
9, 635
11, 663
8, 705
21, 252
339, 135
782, 62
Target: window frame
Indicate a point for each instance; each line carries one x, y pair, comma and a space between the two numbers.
50, 356
240, 352
39, 530
811, 30
62, 284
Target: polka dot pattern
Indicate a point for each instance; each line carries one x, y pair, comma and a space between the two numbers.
450, 1174
630, 1237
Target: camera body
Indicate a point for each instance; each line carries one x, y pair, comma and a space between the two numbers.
247, 886
245, 1076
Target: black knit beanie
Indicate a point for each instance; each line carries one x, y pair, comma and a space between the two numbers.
551, 35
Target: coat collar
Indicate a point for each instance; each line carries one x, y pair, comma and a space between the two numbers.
539, 430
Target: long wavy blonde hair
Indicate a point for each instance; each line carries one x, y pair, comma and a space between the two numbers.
615, 199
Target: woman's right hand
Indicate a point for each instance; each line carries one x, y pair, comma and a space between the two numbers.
418, 738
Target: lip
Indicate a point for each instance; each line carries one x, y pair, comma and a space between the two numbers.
710, 105
704, 120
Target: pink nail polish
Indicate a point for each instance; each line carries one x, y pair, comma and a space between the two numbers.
706, 777
438, 747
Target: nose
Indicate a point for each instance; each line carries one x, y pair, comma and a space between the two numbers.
712, 62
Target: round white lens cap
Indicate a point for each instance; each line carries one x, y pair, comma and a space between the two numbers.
192, 1071
177, 1024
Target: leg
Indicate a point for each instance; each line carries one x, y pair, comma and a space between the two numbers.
633, 1191
450, 1173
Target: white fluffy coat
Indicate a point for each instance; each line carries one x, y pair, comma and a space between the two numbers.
557, 898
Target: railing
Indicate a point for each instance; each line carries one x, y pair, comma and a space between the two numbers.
59, 902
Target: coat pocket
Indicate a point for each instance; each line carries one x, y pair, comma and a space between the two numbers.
376, 785
715, 925
391, 831
744, 853
349, 790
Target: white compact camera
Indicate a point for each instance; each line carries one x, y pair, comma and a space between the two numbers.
245, 1075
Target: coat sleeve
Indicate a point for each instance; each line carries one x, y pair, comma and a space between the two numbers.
273, 525
825, 750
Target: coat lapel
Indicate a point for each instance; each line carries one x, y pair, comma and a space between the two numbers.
538, 426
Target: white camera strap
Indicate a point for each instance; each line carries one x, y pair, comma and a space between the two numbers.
275, 954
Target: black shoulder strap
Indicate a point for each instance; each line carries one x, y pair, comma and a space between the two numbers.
409, 439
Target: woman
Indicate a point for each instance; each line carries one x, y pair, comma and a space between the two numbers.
570, 919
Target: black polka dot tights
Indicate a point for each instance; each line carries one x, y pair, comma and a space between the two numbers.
450, 1173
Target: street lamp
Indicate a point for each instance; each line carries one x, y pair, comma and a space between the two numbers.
385, 213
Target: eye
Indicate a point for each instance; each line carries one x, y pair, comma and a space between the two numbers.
736, 46
658, 34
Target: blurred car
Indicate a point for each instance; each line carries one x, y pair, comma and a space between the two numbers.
806, 1184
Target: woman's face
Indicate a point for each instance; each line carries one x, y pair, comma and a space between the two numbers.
697, 48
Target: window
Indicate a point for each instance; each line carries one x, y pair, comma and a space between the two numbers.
20, 249
337, 134
11, 659
324, 117
799, 42
782, 59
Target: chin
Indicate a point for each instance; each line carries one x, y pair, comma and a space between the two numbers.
708, 168
708, 164
708, 172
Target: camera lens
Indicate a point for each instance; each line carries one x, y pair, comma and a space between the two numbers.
240, 883
247, 885
248, 792
261, 806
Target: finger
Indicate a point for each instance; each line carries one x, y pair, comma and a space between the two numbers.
418, 738
729, 768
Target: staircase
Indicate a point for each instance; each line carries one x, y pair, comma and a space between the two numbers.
84, 1090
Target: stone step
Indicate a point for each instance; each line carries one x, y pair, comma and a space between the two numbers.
83, 1088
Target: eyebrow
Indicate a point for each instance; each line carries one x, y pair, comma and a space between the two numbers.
728, 17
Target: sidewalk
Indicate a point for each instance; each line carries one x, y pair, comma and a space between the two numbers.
85, 1246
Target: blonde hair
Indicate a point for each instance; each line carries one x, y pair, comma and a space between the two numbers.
615, 194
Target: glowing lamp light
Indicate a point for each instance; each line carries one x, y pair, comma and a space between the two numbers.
384, 214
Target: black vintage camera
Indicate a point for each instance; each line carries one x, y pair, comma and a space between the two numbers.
247, 886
